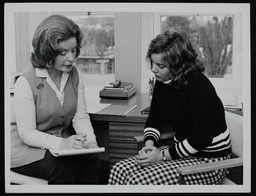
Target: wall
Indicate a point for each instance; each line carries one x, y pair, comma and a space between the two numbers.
34, 19
147, 34
21, 37
26, 23
127, 37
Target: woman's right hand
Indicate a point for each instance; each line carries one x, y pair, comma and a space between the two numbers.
73, 142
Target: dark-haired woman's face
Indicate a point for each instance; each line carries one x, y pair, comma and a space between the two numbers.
160, 68
64, 61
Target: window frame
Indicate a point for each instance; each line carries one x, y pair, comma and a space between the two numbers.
235, 81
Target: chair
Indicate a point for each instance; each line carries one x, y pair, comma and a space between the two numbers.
16, 178
235, 126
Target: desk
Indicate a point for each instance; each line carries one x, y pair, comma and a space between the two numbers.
115, 111
114, 131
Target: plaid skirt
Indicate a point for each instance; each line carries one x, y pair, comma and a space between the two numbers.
128, 172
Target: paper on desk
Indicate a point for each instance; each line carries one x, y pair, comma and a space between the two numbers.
95, 107
58, 153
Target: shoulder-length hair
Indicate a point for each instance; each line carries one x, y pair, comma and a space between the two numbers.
178, 53
50, 32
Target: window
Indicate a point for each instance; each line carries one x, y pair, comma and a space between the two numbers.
97, 58
212, 38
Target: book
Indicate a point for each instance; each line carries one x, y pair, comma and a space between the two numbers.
114, 88
59, 153
121, 88
146, 110
124, 86
118, 94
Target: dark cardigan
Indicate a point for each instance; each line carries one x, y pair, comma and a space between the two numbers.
196, 114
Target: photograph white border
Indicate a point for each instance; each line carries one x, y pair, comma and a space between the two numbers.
244, 9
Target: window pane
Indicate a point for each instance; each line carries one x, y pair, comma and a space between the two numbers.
212, 37
97, 57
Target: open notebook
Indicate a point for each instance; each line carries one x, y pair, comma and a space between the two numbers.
58, 153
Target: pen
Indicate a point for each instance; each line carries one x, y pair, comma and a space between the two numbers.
128, 111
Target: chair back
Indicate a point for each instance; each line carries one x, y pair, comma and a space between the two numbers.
235, 127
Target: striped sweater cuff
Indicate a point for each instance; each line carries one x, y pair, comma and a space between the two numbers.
182, 149
151, 133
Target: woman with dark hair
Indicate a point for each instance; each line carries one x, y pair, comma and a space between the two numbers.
185, 99
50, 109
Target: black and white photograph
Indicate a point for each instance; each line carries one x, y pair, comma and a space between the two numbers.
127, 98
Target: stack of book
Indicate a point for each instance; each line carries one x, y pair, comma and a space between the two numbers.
124, 91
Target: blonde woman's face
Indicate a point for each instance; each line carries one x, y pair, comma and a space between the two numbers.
64, 61
160, 68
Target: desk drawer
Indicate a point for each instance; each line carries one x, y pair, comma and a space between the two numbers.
121, 142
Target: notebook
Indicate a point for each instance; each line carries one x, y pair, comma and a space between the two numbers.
146, 110
59, 153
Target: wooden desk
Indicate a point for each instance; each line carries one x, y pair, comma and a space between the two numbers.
114, 131
115, 111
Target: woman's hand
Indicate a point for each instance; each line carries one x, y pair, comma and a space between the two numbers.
73, 142
92, 145
145, 150
148, 155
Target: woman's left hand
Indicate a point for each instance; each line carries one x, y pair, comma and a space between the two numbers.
152, 156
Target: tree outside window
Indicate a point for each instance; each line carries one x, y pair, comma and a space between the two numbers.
98, 45
212, 37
